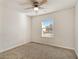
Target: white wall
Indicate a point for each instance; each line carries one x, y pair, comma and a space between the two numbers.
1, 16
16, 28
64, 29
76, 29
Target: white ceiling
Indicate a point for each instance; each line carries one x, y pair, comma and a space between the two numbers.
50, 6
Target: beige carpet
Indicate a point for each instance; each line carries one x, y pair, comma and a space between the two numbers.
37, 51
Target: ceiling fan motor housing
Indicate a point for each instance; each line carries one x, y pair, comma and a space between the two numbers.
36, 4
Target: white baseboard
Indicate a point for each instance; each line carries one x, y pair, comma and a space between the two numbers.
76, 52
14, 46
55, 45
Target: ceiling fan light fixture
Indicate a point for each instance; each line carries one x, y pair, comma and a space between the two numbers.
36, 8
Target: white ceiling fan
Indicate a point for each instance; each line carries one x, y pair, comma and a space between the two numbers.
36, 4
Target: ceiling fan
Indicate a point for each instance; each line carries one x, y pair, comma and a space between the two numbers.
36, 4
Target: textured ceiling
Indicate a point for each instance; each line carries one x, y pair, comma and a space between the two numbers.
50, 6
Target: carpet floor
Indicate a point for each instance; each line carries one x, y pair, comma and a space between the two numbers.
37, 51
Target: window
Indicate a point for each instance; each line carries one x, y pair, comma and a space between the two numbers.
48, 27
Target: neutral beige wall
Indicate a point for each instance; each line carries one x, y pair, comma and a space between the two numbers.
64, 29
16, 29
1, 19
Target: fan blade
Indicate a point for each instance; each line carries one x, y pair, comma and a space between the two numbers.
42, 8
43, 1
28, 8
24, 2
